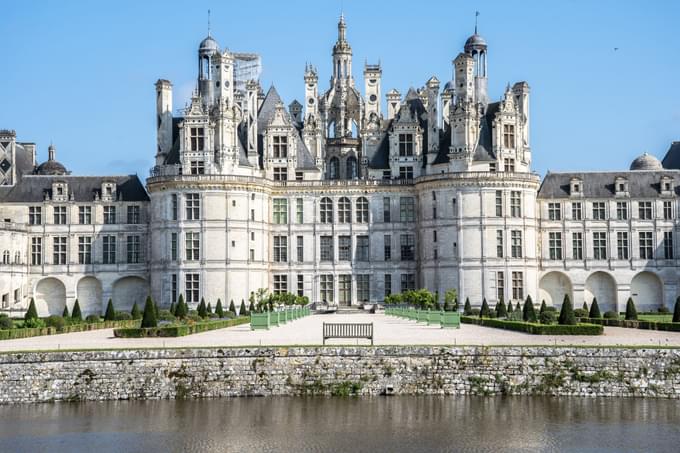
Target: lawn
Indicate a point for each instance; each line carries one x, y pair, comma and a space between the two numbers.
656, 317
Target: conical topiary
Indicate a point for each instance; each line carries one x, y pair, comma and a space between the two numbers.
518, 308
251, 307
631, 312
219, 311
135, 313
32, 312
210, 312
202, 309
543, 308
585, 307
467, 308
484, 311
149, 318
510, 307
181, 310
110, 313
567, 316
594, 309
676, 310
528, 312
65, 314
232, 307
242, 309
75, 313
172, 308
501, 309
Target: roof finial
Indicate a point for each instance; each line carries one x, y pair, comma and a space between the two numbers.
208, 23
476, 16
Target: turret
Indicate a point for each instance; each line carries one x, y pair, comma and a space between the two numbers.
432, 92
311, 93
476, 47
252, 103
342, 56
372, 76
163, 119
393, 103
464, 75
208, 51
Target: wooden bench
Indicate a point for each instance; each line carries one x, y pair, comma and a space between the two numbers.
345, 330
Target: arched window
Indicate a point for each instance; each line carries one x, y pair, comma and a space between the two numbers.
362, 210
344, 210
334, 168
17, 258
351, 167
326, 208
5, 257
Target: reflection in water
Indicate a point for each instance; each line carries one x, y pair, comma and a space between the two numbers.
398, 424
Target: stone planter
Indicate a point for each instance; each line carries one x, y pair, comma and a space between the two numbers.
259, 321
450, 320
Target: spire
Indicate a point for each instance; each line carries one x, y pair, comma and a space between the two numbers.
342, 27
476, 16
50, 152
209, 23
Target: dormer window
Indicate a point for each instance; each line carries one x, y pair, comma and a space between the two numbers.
576, 187
621, 186
197, 138
666, 185
508, 136
108, 190
280, 147
60, 191
405, 145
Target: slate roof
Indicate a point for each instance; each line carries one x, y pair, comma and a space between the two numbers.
672, 158
32, 188
267, 109
641, 184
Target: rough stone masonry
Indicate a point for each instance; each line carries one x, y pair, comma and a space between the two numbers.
339, 371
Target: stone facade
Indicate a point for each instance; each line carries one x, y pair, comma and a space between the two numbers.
388, 370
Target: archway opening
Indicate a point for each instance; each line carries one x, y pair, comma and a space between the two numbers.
553, 287
602, 286
50, 297
129, 290
646, 289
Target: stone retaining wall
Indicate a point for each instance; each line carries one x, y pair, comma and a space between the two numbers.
400, 370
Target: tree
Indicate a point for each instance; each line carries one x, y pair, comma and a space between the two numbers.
242, 310
32, 312
219, 311
501, 309
528, 312
232, 307
585, 307
676, 310
181, 310
65, 314
149, 319
467, 309
135, 313
594, 309
110, 314
631, 312
172, 308
202, 309
484, 311
543, 308
209, 309
510, 308
75, 313
451, 298
567, 316
518, 308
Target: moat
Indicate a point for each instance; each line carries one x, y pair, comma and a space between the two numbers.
396, 424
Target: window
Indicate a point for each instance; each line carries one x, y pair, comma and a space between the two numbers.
407, 209
645, 210
5, 257
326, 245
197, 138
555, 245
516, 243
363, 288
387, 212
388, 247
554, 211
646, 245
133, 249
621, 210
173, 207
405, 145
577, 210
109, 250
252, 254
434, 210
344, 248
408, 282
192, 205
192, 284
599, 211
326, 210
499, 244
300, 285
515, 204
109, 215
499, 203
509, 136
509, 165
577, 246
280, 147
299, 206
35, 215
173, 288
517, 285
388, 284
280, 249
362, 210
173, 246
280, 174
60, 215
500, 285
386, 174
406, 172
299, 176
280, 284
345, 289
434, 236
600, 245
197, 167
192, 243
667, 210
36, 251
133, 214
84, 250
300, 249
344, 210
280, 211
59, 250
252, 215
407, 247
334, 168
84, 215
622, 247
362, 248
668, 245
326, 285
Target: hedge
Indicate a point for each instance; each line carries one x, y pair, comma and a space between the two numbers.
21, 332
535, 328
180, 330
646, 325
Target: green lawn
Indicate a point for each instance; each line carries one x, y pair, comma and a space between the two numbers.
660, 317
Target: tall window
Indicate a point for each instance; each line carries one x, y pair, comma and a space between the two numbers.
344, 210
499, 203
192, 205
109, 250
405, 145
515, 204
84, 250
622, 246
280, 147
499, 244
576, 210
345, 289
59, 250
280, 174
406, 172
500, 285
554, 211
192, 244
133, 249
509, 136
646, 245
388, 284
109, 215
600, 245
621, 210
133, 216
577, 246
408, 282
197, 167
509, 165
197, 138
34, 215
407, 209
334, 168
300, 249
84, 215
173, 246
555, 245
363, 287
280, 249
192, 284
326, 285
173, 207
173, 288
300, 285
36, 251
667, 210
280, 211
344, 248
299, 210
362, 248
517, 285
408, 245
362, 210
388, 247
59, 215
645, 210
326, 210
668, 245
326, 248
280, 284
599, 210
387, 211
516, 243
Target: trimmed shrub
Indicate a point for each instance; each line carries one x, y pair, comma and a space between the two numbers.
135, 313
64, 314
91, 319
181, 310
5, 322
611, 315
179, 330
121, 316
585, 307
55, 321
32, 312
34, 323
631, 312
547, 317
165, 315
110, 314
251, 307
676, 310
580, 313
543, 308
663, 310
518, 308
232, 308
219, 311
501, 309
510, 309
172, 308
567, 317
76, 314
210, 312
242, 309
535, 328
528, 312
467, 308
475, 312
149, 317
484, 311
594, 309
202, 310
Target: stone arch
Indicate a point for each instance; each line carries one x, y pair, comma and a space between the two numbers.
601, 285
552, 288
127, 291
89, 295
646, 289
50, 297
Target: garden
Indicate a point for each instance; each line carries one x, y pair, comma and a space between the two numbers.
422, 306
273, 310
662, 320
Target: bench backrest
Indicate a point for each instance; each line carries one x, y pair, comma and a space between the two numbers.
346, 330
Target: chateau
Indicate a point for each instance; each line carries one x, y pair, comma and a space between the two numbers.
335, 199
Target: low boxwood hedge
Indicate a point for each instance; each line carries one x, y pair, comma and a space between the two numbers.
646, 325
21, 332
180, 330
535, 328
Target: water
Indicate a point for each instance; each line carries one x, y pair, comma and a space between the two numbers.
397, 424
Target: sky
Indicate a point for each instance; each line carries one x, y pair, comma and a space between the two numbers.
603, 75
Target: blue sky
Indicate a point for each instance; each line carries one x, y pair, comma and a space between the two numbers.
81, 74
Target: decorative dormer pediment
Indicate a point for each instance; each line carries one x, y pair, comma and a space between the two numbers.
576, 187
666, 185
621, 187
60, 191
281, 118
108, 191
